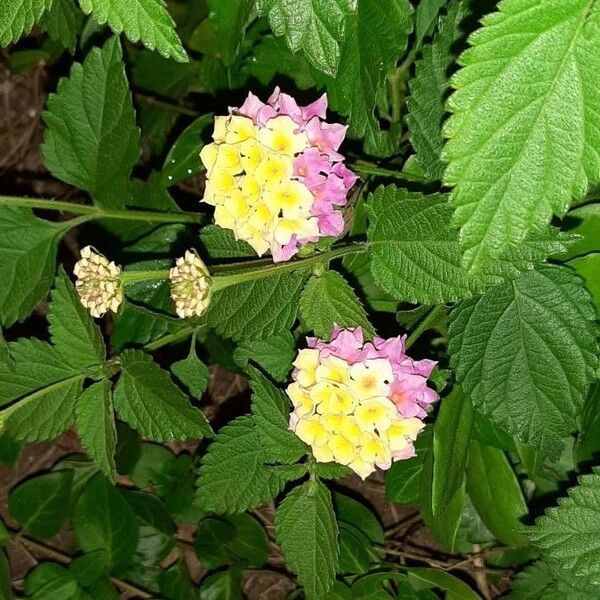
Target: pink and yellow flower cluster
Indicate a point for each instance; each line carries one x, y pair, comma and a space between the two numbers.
358, 403
275, 176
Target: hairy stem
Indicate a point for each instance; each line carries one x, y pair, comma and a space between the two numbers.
96, 212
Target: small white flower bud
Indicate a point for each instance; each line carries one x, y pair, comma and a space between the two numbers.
191, 286
98, 283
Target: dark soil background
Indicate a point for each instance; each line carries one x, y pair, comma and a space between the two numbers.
22, 100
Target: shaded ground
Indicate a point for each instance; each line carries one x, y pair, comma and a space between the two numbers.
22, 99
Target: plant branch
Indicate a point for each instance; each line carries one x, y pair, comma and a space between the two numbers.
170, 106
96, 212
425, 324
171, 338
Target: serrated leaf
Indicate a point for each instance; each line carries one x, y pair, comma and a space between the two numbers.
28, 248
182, 161
426, 16
145, 21
147, 399
192, 372
18, 17
41, 505
75, 336
271, 411
328, 300
233, 477
95, 421
317, 27
63, 22
568, 534
376, 36
274, 354
526, 352
307, 531
429, 86
524, 133
92, 140
104, 521
256, 309
221, 243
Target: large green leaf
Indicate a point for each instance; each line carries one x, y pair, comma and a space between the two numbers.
307, 531
27, 261
328, 300
426, 18
95, 420
496, 494
526, 352
274, 354
63, 22
41, 505
524, 133
234, 476
74, 334
256, 309
92, 140
429, 87
147, 399
317, 27
376, 35
568, 534
18, 17
229, 19
271, 411
146, 21
104, 521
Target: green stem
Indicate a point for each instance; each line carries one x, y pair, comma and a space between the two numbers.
172, 338
250, 273
424, 324
363, 169
95, 212
129, 277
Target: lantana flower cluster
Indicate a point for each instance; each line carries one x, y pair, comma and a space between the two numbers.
359, 404
275, 176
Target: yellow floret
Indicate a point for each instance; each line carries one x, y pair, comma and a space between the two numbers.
238, 205
280, 135
228, 159
220, 129
343, 450
253, 235
306, 362
374, 450
334, 369
375, 413
371, 378
252, 153
331, 398
224, 218
262, 218
222, 182
208, 156
333, 423
362, 468
292, 198
311, 431
403, 429
322, 453
239, 129
272, 170
300, 399
250, 187
351, 430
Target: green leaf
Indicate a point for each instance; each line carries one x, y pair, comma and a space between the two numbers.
403, 480
63, 22
233, 477
568, 534
328, 300
192, 372
89, 568
451, 439
271, 412
376, 36
317, 27
92, 140
274, 354
415, 253
505, 344
221, 243
223, 585
182, 161
147, 399
589, 267
426, 18
176, 584
49, 581
27, 261
426, 578
74, 334
429, 87
146, 21
519, 152
496, 493
95, 422
256, 309
583, 221
18, 18
104, 521
307, 531
229, 19
355, 513
41, 505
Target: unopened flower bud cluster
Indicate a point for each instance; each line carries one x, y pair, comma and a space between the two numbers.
275, 176
190, 286
359, 404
